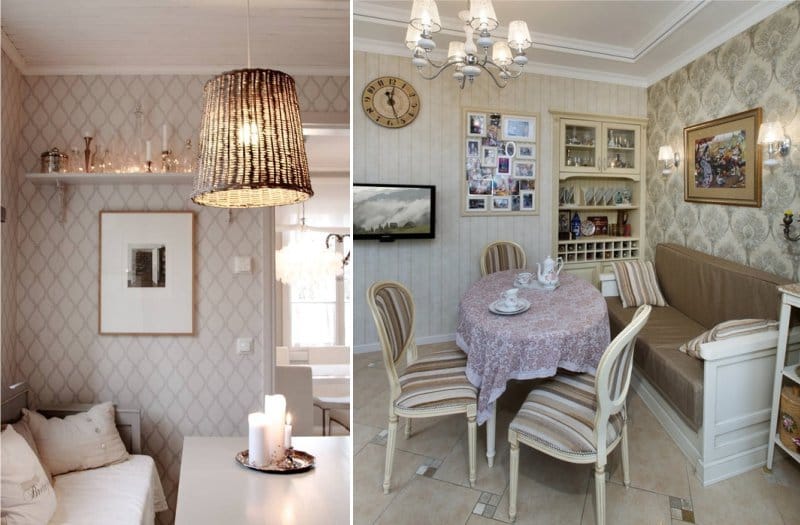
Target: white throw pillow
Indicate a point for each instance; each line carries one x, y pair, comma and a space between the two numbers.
637, 284
726, 330
27, 496
78, 442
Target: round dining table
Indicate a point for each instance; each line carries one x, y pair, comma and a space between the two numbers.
564, 328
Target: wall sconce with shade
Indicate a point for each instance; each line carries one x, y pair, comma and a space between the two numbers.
671, 160
252, 152
771, 135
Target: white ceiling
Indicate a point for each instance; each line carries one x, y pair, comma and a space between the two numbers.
628, 42
309, 37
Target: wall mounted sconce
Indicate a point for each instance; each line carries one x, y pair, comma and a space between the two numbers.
671, 160
771, 134
788, 219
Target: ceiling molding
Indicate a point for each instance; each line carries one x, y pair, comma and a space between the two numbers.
175, 70
716, 38
381, 47
679, 16
13, 53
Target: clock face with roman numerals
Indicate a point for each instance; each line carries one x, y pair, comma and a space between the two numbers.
391, 102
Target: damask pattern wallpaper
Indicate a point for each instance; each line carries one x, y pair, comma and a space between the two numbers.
184, 385
11, 115
758, 68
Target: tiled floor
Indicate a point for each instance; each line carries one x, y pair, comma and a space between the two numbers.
430, 486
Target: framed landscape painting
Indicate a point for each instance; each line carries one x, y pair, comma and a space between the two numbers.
723, 160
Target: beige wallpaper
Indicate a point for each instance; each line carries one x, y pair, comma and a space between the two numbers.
758, 68
11, 126
184, 385
429, 151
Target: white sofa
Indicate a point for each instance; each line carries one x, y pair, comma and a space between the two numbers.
124, 493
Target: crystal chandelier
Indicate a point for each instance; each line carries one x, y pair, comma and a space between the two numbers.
501, 59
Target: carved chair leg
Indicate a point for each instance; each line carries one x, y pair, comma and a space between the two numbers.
600, 494
390, 439
513, 467
472, 432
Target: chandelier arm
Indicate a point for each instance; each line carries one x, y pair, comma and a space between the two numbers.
492, 76
441, 69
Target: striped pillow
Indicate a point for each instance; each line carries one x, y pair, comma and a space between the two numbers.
726, 330
637, 284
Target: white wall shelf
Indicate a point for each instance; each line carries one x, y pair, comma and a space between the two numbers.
62, 180
108, 178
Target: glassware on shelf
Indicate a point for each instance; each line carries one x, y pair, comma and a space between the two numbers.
186, 161
75, 164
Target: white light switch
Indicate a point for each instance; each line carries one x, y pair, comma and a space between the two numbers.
242, 264
244, 345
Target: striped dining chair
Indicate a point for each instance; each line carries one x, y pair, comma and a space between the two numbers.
428, 386
580, 418
502, 255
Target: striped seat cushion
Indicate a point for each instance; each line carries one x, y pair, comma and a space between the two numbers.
436, 380
560, 415
727, 330
637, 284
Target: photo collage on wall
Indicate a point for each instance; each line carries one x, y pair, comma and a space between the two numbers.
500, 163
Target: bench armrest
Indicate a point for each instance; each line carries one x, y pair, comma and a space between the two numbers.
608, 285
745, 344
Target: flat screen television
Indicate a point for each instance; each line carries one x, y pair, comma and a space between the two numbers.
394, 211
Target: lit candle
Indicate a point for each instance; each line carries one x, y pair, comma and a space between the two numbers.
275, 409
287, 432
149, 152
87, 133
257, 442
164, 141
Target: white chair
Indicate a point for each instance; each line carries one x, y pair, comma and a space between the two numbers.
502, 255
328, 355
580, 418
434, 385
294, 382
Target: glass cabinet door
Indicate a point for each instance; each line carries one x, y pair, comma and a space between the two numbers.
580, 141
621, 148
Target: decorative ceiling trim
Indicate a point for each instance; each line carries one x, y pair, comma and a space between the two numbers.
678, 17
13, 53
397, 49
177, 70
714, 39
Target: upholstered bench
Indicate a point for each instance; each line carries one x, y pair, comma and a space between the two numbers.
715, 406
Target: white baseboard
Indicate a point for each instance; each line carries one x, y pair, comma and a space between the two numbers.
375, 347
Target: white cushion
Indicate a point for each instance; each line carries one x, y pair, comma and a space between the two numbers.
78, 442
637, 284
726, 330
27, 496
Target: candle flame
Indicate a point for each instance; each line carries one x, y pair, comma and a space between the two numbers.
288, 418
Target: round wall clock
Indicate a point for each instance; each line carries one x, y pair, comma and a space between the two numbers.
390, 101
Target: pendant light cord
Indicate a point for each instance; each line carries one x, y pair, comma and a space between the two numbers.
248, 34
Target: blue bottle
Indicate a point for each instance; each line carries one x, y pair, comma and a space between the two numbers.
575, 226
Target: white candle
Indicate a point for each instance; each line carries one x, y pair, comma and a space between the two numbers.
287, 432
87, 133
164, 141
149, 153
257, 442
275, 409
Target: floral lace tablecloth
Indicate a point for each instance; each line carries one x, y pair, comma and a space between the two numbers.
564, 328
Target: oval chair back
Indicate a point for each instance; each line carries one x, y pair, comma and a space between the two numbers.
502, 255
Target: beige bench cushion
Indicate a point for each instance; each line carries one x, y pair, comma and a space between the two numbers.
677, 376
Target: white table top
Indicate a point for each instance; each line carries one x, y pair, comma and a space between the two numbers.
214, 488
330, 371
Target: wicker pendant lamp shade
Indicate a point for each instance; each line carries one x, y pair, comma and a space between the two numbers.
252, 152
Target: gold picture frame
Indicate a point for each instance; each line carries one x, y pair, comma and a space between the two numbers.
723, 160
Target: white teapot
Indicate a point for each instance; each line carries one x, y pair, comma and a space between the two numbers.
547, 274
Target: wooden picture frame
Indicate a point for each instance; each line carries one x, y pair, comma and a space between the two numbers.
146, 273
493, 181
723, 160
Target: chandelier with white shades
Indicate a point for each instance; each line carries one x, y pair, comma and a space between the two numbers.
501, 59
